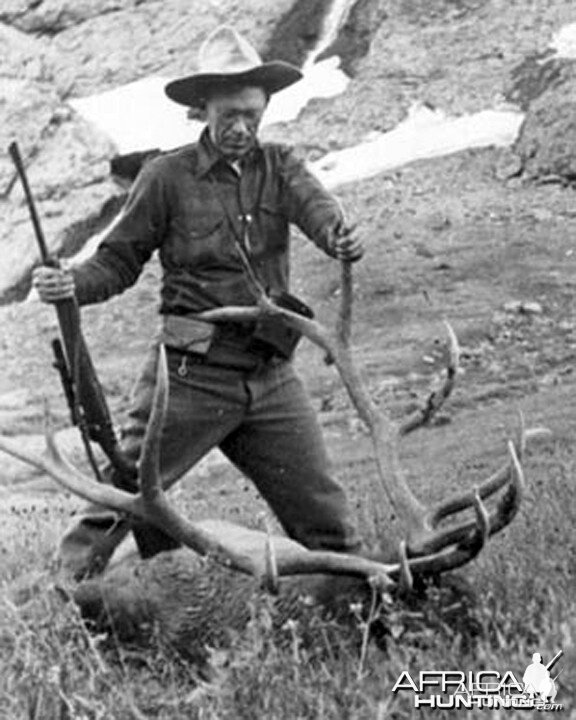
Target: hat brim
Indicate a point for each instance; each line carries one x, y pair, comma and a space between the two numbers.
193, 90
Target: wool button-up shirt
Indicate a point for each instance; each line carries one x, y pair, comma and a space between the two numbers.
189, 205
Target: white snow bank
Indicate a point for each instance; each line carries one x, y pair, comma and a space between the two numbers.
139, 116
424, 134
564, 41
335, 18
324, 79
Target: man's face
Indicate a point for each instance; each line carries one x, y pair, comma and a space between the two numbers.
233, 118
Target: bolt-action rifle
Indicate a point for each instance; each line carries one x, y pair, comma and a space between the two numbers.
85, 397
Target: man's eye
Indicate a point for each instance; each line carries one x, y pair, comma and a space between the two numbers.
249, 116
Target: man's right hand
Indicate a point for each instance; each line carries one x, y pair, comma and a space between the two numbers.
53, 284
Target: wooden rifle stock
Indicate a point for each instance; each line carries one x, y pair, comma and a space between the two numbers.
83, 390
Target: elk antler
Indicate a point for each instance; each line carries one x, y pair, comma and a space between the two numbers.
229, 544
429, 548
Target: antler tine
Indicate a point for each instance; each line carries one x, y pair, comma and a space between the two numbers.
270, 578
156, 507
489, 487
405, 574
445, 560
482, 518
472, 542
454, 556
53, 463
521, 435
69, 477
466, 499
149, 470
511, 500
344, 323
465, 550
422, 416
485, 524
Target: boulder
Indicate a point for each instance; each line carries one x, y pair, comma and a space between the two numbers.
150, 38
73, 155
546, 144
23, 56
67, 222
49, 17
68, 169
297, 31
27, 108
354, 38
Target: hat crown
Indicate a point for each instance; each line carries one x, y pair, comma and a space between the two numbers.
225, 58
226, 51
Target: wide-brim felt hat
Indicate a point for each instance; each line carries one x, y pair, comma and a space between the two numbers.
226, 59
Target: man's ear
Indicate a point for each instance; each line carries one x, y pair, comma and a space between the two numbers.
197, 113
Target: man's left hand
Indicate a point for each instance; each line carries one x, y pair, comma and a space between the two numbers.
347, 245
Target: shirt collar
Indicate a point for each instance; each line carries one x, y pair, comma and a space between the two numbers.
208, 155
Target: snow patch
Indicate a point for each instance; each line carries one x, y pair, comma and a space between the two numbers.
324, 79
11, 89
423, 135
333, 21
564, 41
139, 116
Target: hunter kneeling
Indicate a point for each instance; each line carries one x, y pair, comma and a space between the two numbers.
218, 212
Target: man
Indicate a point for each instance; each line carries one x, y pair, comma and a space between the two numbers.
218, 213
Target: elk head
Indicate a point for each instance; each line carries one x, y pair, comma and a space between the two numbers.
435, 540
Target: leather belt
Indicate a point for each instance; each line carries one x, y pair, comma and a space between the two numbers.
227, 361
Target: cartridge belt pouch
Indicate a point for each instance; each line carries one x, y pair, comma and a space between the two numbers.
272, 335
186, 334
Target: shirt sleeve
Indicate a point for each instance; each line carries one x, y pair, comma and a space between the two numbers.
309, 205
129, 243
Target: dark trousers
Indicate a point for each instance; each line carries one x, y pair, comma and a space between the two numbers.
262, 420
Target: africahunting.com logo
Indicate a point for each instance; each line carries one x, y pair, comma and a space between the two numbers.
485, 688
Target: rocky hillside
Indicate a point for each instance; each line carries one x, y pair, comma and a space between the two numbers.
53, 51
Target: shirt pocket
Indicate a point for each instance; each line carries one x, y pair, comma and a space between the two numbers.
272, 231
203, 241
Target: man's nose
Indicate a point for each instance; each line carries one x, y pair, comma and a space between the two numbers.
241, 126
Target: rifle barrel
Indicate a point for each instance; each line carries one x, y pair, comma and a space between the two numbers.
14, 152
556, 657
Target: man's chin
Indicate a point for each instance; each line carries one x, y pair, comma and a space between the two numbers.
235, 152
